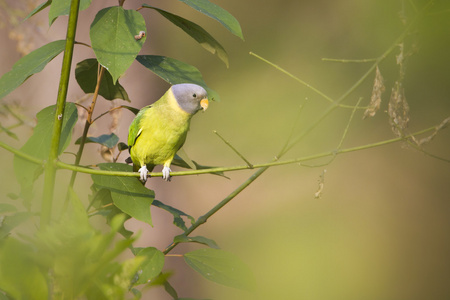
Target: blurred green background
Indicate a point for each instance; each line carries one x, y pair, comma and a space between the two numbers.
381, 228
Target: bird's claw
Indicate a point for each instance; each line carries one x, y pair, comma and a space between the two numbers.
166, 173
143, 171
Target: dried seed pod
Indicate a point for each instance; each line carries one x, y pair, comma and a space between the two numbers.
375, 98
398, 110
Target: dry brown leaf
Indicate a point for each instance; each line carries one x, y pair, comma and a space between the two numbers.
375, 98
398, 110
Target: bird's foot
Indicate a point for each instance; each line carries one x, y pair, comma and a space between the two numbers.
166, 173
143, 171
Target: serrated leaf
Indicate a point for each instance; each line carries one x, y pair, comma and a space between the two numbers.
176, 213
182, 238
108, 140
152, 266
221, 267
196, 32
38, 145
62, 8
128, 193
217, 13
112, 37
86, 76
28, 65
174, 71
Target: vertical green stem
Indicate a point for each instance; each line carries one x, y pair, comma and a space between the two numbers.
50, 168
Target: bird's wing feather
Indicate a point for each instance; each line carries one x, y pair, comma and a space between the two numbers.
135, 128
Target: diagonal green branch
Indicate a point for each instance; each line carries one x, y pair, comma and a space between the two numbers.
332, 107
263, 167
50, 167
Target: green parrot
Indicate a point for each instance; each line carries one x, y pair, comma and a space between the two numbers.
159, 130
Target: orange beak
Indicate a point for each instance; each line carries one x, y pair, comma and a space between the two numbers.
204, 104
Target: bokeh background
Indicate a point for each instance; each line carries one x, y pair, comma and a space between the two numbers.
381, 228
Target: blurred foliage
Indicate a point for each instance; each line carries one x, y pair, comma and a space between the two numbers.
380, 227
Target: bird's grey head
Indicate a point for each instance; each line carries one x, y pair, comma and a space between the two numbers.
190, 97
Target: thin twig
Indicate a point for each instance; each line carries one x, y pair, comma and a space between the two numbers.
107, 112
82, 106
348, 124
317, 91
16, 116
294, 126
349, 60
101, 71
420, 149
342, 138
234, 149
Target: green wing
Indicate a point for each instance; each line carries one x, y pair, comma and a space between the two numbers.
135, 129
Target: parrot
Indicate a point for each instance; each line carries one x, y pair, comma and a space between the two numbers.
159, 130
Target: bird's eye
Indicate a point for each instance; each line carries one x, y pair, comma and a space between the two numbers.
194, 95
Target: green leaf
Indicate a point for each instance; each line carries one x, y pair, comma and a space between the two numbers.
77, 213
62, 8
128, 193
28, 65
112, 37
6, 207
183, 155
178, 161
217, 13
38, 9
20, 275
75, 253
38, 145
196, 32
86, 75
182, 238
122, 146
8, 132
152, 266
108, 140
10, 222
221, 267
102, 200
162, 279
132, 109
176, 213
174, 71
